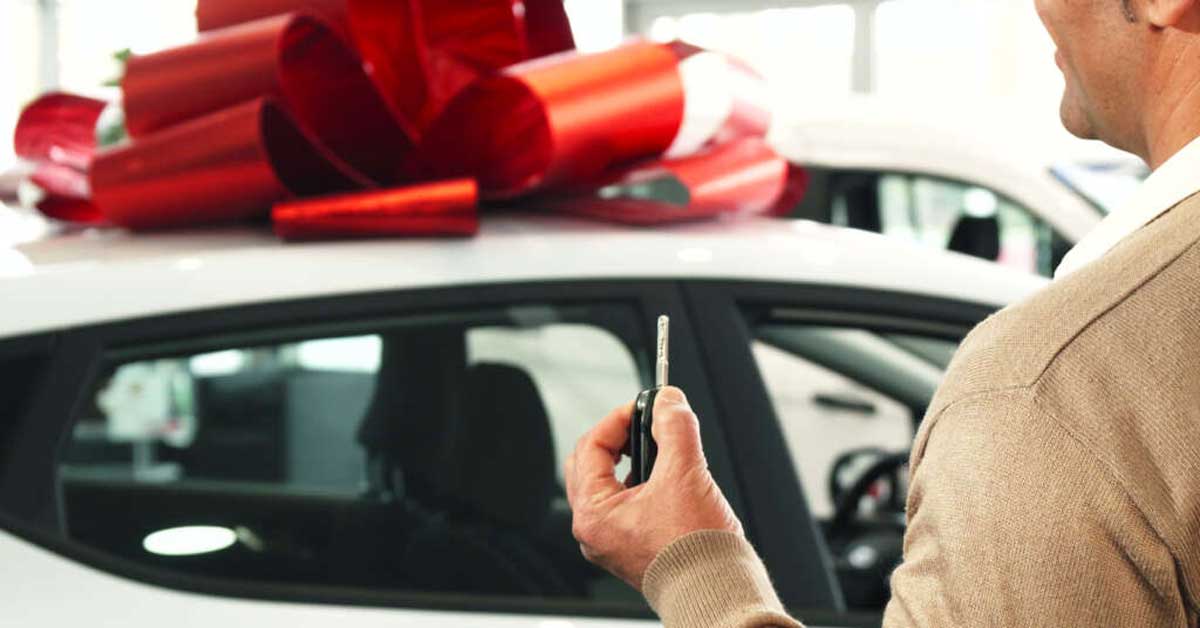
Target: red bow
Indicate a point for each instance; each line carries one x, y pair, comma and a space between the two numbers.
397, 108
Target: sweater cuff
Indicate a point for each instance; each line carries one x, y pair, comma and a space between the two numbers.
713, 579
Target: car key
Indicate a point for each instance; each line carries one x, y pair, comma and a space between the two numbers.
642, 448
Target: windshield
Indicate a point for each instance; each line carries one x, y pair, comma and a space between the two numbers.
1105, 185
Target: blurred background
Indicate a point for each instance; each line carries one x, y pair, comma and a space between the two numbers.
959, 58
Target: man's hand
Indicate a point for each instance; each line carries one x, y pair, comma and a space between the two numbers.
622, 529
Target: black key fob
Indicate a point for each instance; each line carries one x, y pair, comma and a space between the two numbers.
642, 448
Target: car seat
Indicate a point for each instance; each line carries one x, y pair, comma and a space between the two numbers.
492, 488
402, 429
977, 236
461, 464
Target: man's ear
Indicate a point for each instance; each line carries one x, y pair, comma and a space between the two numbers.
1169, 13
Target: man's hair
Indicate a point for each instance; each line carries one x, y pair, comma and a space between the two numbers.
1129, 14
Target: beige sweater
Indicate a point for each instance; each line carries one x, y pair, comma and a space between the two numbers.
1056, 477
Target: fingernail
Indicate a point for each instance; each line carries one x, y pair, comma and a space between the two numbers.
674, 395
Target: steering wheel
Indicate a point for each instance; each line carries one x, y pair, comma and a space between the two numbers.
846, 501
865, 552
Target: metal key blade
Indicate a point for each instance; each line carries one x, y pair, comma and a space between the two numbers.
661, 362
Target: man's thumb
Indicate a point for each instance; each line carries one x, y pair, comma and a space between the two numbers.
676, 429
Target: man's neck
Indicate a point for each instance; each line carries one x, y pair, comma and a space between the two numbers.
1172, 117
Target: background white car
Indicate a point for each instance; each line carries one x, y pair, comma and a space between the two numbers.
971, 183
214, 428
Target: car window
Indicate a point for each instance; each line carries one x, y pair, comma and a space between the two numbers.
421, 455
849, 401
946, 214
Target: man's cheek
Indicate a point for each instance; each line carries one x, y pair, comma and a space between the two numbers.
1048, 11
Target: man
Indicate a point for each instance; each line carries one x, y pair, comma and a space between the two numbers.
1056, 476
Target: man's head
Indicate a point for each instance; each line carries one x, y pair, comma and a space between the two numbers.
1128, 64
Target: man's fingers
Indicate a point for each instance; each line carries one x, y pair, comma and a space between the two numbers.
676, 430
599, 451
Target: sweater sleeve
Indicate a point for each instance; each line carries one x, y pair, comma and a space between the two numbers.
713, 580
1013, 522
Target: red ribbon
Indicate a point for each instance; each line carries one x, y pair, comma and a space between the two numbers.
215, 140
261, 110
57, 132
371, 100
741, 177
226, 166
421, 53
559, 121
441, 209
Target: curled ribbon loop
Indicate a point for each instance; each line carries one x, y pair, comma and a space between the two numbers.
57, 132
296, 59
221, 167
565, 119
421, 53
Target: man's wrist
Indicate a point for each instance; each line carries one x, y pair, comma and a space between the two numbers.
713, 579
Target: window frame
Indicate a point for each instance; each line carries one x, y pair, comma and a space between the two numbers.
30, 505
770, 483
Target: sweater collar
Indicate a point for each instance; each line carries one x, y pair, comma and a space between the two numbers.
1173, 182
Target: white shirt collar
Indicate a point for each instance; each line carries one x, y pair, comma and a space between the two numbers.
1173, 181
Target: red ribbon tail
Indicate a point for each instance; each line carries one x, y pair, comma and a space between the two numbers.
444, 208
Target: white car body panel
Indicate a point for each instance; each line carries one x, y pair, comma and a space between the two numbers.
49, 591
98, 276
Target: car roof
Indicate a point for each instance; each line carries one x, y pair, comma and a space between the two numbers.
99, 275
1004, 134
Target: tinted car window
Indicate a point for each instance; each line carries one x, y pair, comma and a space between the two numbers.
423, 456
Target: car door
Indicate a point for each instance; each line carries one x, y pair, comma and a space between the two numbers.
359, 460
822, 389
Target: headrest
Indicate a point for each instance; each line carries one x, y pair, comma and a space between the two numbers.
500, 463
977, 236
416, 390
473, 441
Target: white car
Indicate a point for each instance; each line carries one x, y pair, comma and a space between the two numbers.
1001, 192
213, 428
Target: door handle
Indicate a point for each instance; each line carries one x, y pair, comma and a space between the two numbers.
845, 403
